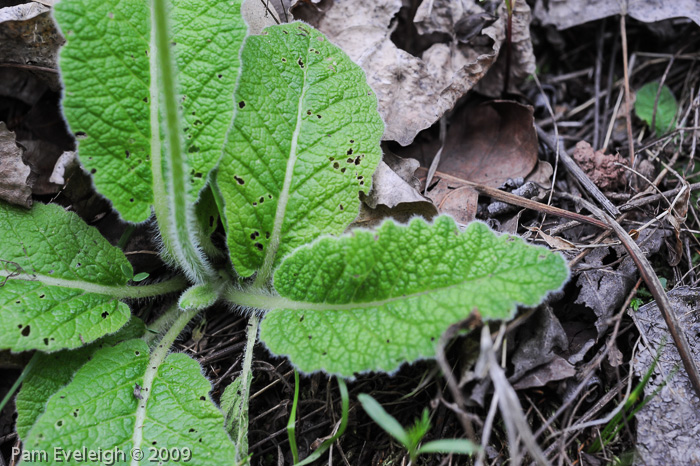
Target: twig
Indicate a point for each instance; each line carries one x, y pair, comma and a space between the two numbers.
628, 97
634, 203
655, 287
521, 201
596, 84
576, 171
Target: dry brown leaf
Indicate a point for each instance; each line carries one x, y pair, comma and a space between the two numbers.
522, 60
413, 92
567, 13
490, 143
14, 174
668, 426
30, 39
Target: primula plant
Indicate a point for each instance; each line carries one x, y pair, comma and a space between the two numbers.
182, 120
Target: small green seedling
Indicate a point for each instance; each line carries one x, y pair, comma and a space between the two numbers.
411, 438
659, 114
184, 121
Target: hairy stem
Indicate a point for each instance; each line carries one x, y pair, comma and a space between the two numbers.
174, 212
120, 292
246, 372
157, 357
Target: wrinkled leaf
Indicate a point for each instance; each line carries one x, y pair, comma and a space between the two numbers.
106, 72
104, 407
305, 143
567, 13
60, 277
666, 107
14, 173
373, 300
52, 371
413, 92
669, 425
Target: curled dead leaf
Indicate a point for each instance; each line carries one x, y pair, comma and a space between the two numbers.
14, 174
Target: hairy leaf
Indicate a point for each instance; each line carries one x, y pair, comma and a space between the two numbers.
107, 406
106, 72
373, 300
52, 371
304, 144
61, 280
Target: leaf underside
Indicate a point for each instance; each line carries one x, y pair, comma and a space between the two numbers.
106, 75
46, 245
373, 300
304, 144
52, 371
97, 409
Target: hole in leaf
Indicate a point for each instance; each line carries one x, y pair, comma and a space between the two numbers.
341, 207
202, 398
131, 200
238, 179
241, 104
261, 200
26, 330
267, 234
310, 337
42, 296
269, 196
342, 170
255, 204
219, 76
318, 116
197, 175
93, 171
80, 135
352, 141
128, 154
301, 319
300, 63
350, 160
350, 151
331, 158
336, 165
46, 341
259, 246
59, 423
105, 314
137, 353
145, 99
308, 112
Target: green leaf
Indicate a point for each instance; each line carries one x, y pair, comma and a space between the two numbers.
63, 280
237, 425
106, 71
198, 297
385, 420
304, 144
52, 371
139, 277
456, 445
373, 300
107, 405
665, 111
